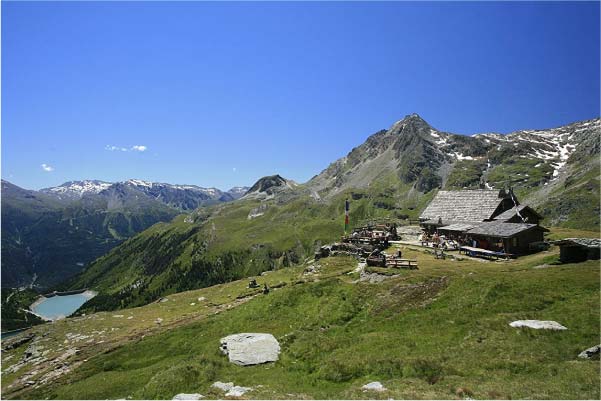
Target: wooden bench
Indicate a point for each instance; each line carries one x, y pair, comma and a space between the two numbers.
472, 251
401, 263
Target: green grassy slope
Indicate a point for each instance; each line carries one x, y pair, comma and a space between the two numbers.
575, 202
13, 317
221, 244
438, 332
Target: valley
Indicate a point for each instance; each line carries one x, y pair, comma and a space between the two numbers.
53, 233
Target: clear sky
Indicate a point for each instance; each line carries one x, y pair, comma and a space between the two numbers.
220, 94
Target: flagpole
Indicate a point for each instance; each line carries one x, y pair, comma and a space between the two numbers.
346, 219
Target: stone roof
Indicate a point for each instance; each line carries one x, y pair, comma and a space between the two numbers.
502, 229
508, 214
585, 242
464, 205
459, 227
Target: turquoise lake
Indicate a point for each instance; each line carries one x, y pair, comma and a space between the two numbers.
60, 306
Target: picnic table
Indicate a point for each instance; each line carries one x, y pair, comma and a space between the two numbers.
472, 251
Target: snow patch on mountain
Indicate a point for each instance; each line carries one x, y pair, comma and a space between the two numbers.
554, 145
139, 183
78, 188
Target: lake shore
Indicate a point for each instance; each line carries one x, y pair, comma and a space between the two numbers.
86, 293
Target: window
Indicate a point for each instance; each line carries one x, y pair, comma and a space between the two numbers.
514, 241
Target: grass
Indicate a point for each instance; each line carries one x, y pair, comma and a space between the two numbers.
13, 301
439, 332
557, 233
222, 244
521, 172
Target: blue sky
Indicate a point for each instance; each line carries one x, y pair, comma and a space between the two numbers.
220, 94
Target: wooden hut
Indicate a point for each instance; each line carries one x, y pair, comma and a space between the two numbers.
471, 206
513, 238
573, 250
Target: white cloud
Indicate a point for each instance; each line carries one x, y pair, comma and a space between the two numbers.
135, 148
115, 148
47, 168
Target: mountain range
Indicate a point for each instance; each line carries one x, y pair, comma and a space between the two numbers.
395, 173
55, 233
51, 234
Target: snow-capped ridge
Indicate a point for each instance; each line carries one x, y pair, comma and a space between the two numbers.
72, 189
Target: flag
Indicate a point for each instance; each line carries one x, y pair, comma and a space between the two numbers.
346, 209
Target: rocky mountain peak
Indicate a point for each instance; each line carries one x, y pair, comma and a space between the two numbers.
269, 185
411, 123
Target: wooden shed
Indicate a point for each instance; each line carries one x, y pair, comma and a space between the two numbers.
573, 250
514, 237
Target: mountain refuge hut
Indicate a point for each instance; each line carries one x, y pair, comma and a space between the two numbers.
487, 219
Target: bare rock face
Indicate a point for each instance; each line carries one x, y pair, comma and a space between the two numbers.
250, 348
591, 353
538, 324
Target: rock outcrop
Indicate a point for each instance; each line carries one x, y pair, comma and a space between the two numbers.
538, 324
250, 348
230, 389
184, 396
590, 353
374, 386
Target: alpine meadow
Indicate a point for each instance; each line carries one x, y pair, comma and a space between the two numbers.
413, 208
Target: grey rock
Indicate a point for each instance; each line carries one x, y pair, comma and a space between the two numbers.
538, 324
257, 212
237, 391
590, 353
17, 341
223, 386
250, 348
184, 396
374, 386
230, 389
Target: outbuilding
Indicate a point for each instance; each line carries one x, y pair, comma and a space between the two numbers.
573, 250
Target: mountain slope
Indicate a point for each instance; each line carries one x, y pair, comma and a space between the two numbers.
393, 174
418, 158
440, 332
49, 235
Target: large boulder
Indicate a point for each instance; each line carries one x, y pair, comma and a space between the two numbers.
538, 324
591, 353
250, 348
